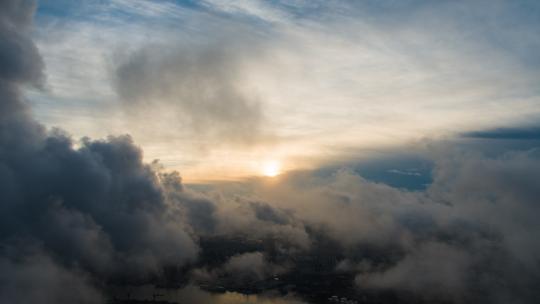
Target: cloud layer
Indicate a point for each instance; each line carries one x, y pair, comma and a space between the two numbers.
96, 208
79, 216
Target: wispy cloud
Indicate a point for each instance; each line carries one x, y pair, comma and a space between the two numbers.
326, 75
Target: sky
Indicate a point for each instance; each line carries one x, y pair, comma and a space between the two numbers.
219, 89
269, 151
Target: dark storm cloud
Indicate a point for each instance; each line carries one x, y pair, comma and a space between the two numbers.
98, 205
18, 55
20, 64
192, 89
19, 60
97, 208
531, 133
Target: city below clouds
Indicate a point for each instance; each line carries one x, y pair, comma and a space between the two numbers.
253, 151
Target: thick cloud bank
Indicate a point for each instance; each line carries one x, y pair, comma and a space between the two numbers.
470, 237
67, 211
79, 216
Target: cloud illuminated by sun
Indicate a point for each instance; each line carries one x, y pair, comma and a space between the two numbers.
271, 168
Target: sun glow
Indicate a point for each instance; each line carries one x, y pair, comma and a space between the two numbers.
271, 168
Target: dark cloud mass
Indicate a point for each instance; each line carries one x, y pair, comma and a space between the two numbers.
94, 209
531, 133
77, 217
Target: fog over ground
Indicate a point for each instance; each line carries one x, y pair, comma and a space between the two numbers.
80, 216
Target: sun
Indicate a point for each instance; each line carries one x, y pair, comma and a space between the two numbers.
271, 168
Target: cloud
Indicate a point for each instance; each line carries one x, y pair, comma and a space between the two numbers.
196, 210
470, 236
20, 61
79, 213
18, 55
318, 74
37, 279
96, 207
192, 89
264, 212
532, 133
432, 270
252, 8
